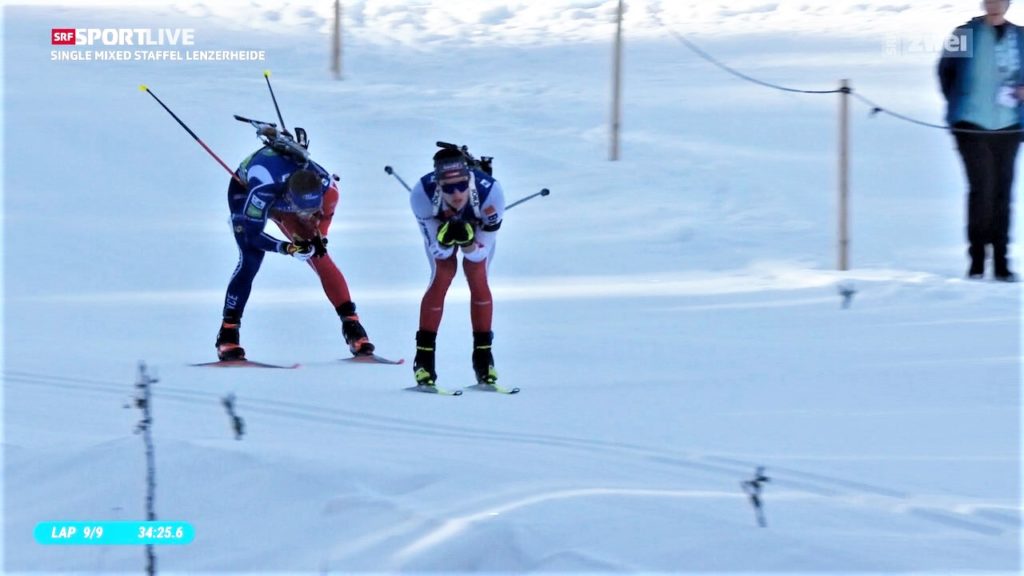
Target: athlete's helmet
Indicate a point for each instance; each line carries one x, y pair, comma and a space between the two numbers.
305, 191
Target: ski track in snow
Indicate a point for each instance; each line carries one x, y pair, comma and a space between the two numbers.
979, 518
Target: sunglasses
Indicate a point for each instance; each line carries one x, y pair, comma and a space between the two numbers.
455, 187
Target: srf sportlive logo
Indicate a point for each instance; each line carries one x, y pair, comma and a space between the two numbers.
123, 36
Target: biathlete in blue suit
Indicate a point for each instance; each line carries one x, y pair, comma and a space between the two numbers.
283, 185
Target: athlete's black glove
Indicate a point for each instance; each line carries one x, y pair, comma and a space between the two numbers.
453, 233
319, 244
302, 250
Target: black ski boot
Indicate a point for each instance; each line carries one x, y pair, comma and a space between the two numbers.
227, 340
483, 360
354, 333
423, 365
977, 255
1001, 265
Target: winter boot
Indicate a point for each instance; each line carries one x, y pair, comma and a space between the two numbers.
1001, 265
483, 360
977, 255
354, 333
423, 365
227, 341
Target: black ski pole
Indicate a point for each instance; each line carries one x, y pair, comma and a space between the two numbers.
543, 192
146, 89
266, 75
392, 172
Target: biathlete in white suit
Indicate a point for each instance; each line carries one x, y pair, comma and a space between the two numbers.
459, 210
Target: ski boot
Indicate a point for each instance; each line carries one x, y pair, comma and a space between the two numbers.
227, 341
423, 364
354, 333
483, 360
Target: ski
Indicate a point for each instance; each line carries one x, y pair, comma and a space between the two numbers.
484, 387
245, 364
372, 359
434, 390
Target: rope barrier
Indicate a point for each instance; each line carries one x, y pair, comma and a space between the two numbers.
875, 107
696, 49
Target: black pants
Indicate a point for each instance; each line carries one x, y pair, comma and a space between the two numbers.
989, 160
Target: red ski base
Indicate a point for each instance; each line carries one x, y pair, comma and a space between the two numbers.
245, 364
373, 359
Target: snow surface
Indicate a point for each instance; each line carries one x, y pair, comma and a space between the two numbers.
674, 318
